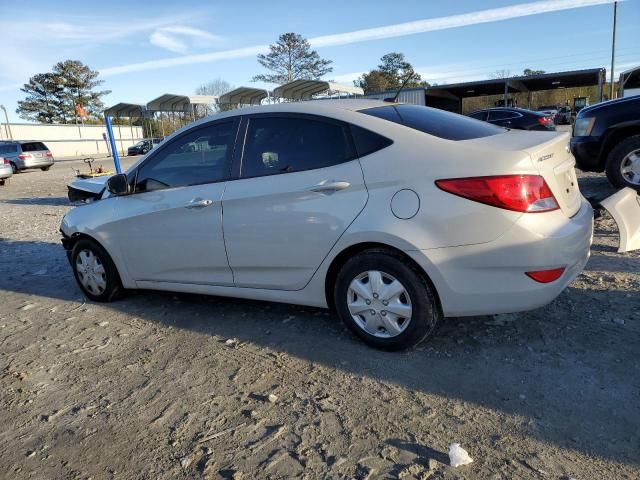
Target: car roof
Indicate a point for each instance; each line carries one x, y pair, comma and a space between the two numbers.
313, 106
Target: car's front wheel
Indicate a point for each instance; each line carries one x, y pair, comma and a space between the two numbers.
4, 181
623, 163
44, 169
95, 272
385, 300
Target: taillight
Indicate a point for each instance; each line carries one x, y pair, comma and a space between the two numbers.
5, 161
24, 156
520, 193
48, 154
545, 121
546, 276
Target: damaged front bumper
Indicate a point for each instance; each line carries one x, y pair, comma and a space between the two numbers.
624, 207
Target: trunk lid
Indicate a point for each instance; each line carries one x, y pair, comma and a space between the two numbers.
555, 163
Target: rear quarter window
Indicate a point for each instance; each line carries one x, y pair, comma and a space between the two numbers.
367, 142
439, 123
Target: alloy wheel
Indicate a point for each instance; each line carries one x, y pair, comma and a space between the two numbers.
630, 167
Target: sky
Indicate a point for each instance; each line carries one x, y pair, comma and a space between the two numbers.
145, 49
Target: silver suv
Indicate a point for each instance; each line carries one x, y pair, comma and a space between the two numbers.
23, 155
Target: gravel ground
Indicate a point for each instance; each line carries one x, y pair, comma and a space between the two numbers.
168, 386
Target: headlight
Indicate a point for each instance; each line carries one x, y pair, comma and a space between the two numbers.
583, 127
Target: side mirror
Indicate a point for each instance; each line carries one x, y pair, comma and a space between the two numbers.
118, 184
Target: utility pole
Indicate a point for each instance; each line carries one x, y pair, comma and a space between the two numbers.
613, 47
7, 126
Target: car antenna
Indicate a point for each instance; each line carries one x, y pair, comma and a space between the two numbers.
404, 84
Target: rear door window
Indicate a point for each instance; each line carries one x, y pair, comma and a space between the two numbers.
432, 121
283, 144
33, 146
479, 115
502, 115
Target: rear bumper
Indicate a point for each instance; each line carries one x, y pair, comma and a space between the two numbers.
5, 171
490, 278
34, 163
586, 151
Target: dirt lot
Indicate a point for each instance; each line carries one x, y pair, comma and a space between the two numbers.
168, 386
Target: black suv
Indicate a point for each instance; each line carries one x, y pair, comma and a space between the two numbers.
606, 137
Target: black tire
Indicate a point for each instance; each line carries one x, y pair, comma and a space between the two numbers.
425, 315
44, 169
616, 157
144, 151
4, 181
113, 288
14, 168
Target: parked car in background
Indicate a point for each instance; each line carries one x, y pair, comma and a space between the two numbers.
472, 219
564, 116
516, 118
143, 146
548, 110
606, 137
5, 170
23, 155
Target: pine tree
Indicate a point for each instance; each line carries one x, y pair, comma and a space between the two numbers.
52, 97
291, 58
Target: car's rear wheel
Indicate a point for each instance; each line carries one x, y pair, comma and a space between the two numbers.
95, 272
44, 169
623, 163
14, 168
4, 181
385, 300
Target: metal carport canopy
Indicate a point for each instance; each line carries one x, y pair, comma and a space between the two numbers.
178, 103
244, 96
532, 83
130, 110
304, 89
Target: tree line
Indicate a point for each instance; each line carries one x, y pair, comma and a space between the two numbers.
69, 92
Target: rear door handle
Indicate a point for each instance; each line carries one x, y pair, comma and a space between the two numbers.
329, 186
198, 203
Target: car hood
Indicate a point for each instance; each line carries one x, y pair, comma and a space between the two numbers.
92, 185
609, 103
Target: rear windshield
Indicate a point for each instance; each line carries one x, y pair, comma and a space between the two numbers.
438, 123
33, 146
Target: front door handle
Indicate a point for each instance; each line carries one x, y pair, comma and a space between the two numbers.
198, 203
329, 186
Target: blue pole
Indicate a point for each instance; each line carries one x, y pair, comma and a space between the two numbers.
112, 142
